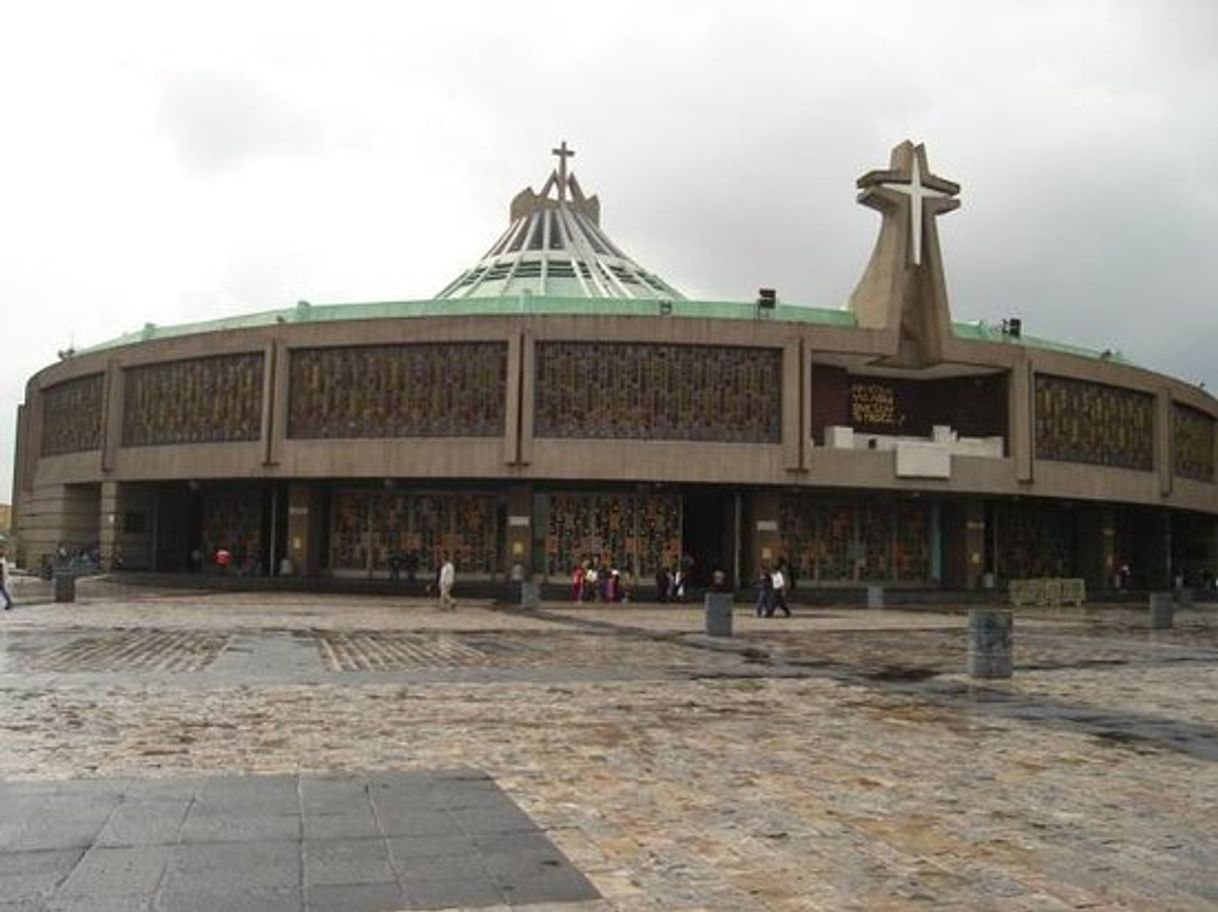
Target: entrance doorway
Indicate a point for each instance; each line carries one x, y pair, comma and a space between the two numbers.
708, 534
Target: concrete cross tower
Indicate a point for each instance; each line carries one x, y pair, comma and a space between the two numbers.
902, 289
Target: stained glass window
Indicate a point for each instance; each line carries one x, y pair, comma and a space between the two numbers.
1193, 443
420, 390
200, 400
646, 391
369, 527
72, 415
1080, 421
850, 539
636, 532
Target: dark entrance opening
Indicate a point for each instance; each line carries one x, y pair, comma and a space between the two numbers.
178, 522
708, 533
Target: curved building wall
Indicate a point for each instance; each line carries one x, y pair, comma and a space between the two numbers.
499, 409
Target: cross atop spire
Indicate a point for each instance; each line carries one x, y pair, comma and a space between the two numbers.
563, 154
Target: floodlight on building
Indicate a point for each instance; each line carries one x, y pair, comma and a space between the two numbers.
767, 298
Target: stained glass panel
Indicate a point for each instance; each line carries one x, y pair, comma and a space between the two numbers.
72, 415
420, 390
1080, 421
200, 400
632, 390
636, 532
1193, 443
838, 539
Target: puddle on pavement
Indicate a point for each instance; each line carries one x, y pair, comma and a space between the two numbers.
900, 673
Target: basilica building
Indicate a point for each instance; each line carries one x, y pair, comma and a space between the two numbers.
559, 402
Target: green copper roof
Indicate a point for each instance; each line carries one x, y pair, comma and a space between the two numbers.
485, 307
983, 332
537, 305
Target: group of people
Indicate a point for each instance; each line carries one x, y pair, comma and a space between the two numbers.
772, 588
399, 563
597, 581
673, 585
238, 560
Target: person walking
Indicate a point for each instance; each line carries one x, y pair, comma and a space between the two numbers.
448, 576
591, 581
779, 582
577, 583
765, 593
6, 580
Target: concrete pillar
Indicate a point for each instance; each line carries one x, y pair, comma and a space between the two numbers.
991, 643
528, 349
1163, 448
974, 542
112, 415
513, 390
1162, 611
518, 544
792, 406
1155, 558
530, 595
109, 509
302, 531
276, 381
1096, 535
1022, 425
20, 454
763, 537
719, 614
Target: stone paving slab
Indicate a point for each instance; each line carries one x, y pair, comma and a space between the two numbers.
257, 846
798, 766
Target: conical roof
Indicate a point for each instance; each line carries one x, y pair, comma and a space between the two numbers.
554, 246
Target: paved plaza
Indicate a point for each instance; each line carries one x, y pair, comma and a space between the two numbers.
190, 750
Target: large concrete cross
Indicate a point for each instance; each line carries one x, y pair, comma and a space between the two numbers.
563, 154
917, 193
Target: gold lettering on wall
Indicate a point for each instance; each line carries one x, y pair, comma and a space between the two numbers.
874, 405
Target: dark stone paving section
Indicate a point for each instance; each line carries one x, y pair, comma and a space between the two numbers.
381, 841
125, 650
382, 652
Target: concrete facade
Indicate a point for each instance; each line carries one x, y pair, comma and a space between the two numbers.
901, 331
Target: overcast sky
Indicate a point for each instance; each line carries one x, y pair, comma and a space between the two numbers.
173, 162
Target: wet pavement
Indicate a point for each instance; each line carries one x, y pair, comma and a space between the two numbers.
837, 760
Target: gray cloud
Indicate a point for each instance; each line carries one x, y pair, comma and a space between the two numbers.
217, 121
723, 138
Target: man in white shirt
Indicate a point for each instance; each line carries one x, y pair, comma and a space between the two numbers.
448, 575
780, 590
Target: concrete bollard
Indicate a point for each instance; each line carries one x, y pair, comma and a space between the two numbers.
530, 595
65, 587
719, 614
991, 651
875, 596
1162, 611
